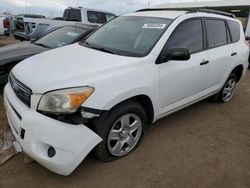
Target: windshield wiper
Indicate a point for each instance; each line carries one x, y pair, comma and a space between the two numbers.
106, 50
100, 48
88, 45
40, 44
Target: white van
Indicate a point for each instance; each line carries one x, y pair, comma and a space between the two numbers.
103, 92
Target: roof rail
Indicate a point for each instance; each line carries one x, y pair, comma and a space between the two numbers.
212, 11
191, 10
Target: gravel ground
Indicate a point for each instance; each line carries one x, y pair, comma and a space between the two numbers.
7, 40
205, 145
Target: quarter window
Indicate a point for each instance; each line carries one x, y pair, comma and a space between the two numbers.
216, 33
234, 28
187, 35
109, 17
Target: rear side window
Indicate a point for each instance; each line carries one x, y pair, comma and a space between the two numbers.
96, 17
187, 35
216, 33
234, 28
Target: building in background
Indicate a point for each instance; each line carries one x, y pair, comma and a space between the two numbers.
240, 8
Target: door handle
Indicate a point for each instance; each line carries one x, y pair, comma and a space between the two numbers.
204, 62
233, 53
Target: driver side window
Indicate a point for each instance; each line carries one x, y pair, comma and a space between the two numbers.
187, 35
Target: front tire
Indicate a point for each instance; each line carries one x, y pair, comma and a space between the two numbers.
121, 130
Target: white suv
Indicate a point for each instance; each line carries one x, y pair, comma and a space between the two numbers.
103, 92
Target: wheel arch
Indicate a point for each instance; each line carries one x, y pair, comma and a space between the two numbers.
145, 102
238, 71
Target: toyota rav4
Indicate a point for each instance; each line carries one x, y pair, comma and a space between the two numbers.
103, 92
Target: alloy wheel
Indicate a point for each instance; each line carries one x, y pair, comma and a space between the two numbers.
124, 134
229, 90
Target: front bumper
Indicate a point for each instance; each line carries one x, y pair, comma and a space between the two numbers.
36, 133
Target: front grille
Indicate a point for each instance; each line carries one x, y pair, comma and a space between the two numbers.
22, 91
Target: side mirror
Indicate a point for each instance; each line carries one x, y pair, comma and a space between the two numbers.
176, 54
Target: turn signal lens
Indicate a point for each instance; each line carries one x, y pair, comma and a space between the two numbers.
78, 98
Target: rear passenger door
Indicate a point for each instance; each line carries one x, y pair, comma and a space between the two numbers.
220, 53
182, 81
236, 48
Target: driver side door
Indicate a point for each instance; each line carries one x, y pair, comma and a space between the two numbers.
182, 82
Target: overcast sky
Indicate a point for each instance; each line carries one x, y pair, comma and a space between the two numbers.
56, 7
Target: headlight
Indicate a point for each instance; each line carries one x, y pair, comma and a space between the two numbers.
64, 101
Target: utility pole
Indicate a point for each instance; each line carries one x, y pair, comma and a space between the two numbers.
26, 8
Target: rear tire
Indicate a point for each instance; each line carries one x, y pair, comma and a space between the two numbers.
121, 130
227, 92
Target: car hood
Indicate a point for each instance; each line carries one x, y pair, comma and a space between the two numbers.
69, 66
18, 52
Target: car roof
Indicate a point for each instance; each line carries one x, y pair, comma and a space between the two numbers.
173, 14
159, 14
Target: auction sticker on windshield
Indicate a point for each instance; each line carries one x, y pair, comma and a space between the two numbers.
154, 26
72, 34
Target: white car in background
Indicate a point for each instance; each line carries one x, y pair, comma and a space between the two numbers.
103, 92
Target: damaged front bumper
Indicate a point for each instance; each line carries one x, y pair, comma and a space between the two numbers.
58, 146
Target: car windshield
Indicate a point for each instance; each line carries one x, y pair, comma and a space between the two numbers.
133, 36
61, 37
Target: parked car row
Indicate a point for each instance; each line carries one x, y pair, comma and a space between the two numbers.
102, 92
28, 28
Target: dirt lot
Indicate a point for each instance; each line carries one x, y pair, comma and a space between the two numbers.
7, 40
205, 145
